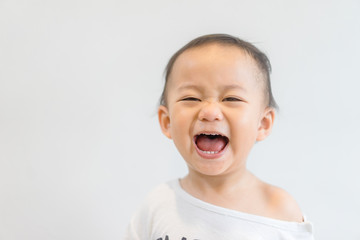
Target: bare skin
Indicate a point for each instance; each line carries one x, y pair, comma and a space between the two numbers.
250, 195
216, 89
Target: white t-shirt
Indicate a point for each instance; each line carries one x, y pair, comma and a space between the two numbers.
170, 213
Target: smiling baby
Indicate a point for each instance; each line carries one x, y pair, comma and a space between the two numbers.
216, 104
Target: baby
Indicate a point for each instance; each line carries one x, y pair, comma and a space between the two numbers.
216, 103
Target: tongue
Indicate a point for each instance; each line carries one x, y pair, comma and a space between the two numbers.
210, 143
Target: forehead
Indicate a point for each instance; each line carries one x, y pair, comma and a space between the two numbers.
214, 64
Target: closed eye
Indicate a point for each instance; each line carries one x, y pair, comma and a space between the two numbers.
190, 99
232, 99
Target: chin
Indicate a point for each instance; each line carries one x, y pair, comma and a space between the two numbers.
209, 169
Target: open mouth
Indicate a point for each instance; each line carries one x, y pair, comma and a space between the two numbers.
210, 143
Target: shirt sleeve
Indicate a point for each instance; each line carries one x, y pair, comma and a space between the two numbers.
131, 232
140, 224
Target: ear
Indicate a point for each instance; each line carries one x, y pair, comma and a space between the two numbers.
164, 120
266, 124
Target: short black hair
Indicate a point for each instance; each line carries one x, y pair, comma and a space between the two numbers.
260, 58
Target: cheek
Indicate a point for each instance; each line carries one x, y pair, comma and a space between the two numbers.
181, 121
178, 123
244, 128
182, 115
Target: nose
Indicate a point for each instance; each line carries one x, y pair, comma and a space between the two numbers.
210, 111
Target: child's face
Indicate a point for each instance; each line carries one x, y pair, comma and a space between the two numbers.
215, 90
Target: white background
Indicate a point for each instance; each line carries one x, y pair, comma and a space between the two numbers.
80, 144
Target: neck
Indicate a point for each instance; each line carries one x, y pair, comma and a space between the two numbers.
203, 186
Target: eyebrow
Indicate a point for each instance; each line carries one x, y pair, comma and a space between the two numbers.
234, 86
226, 87
188, 86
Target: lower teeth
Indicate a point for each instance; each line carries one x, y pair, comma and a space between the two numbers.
209, 152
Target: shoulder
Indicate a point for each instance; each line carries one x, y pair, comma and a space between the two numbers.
281, 205
160, 194
157, 202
